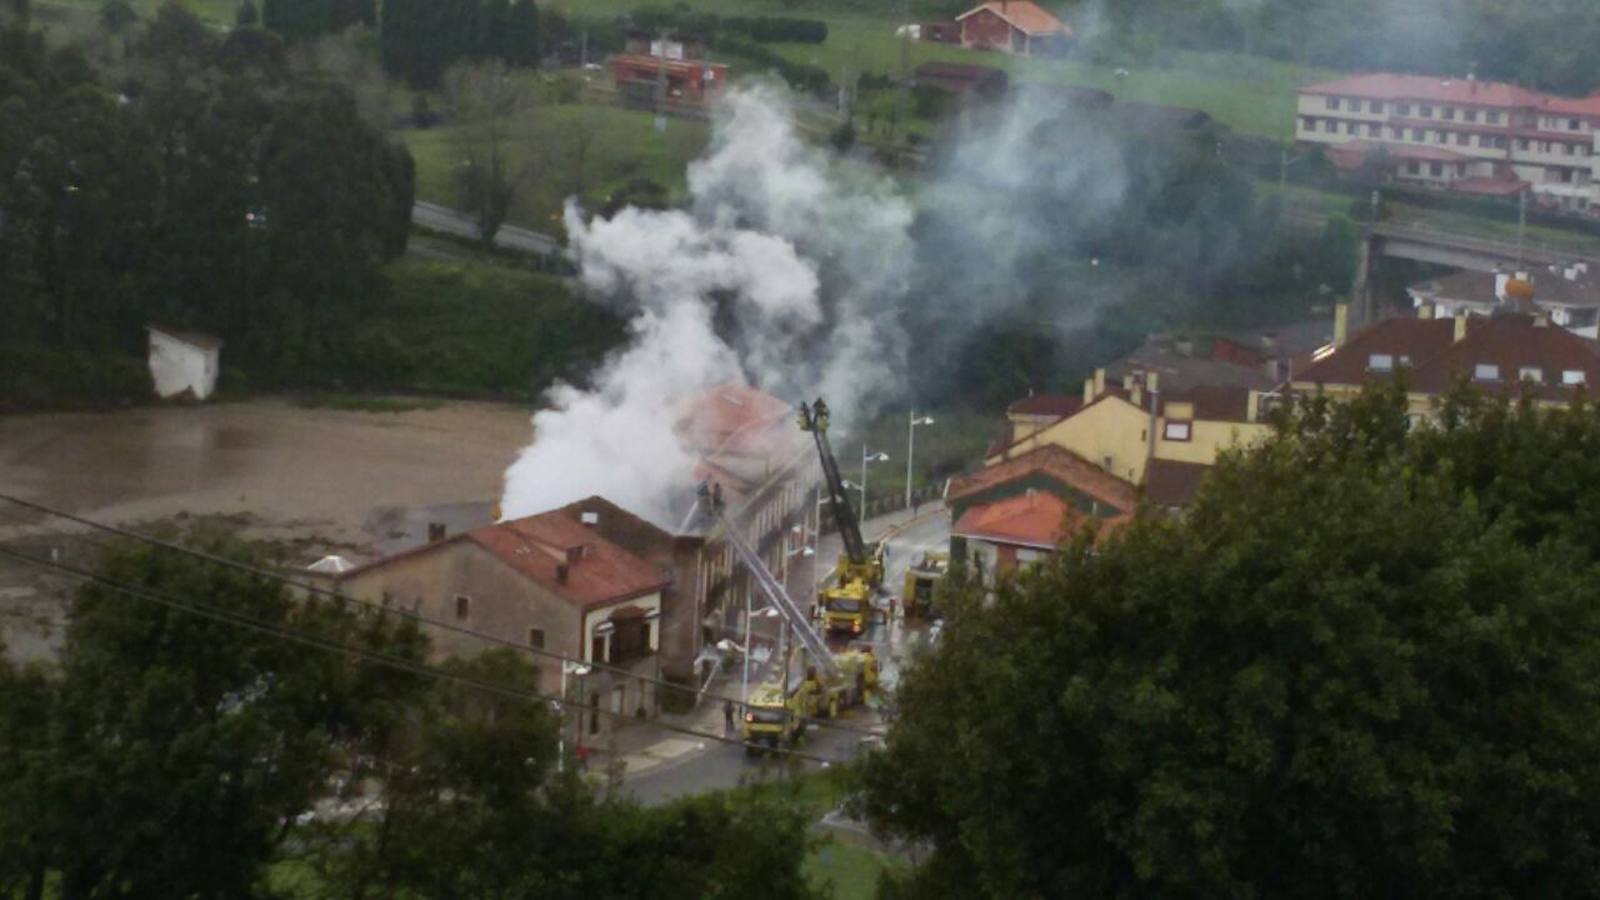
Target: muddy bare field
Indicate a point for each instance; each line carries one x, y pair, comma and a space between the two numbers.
297, 482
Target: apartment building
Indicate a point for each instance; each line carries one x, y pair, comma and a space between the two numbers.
1466, 135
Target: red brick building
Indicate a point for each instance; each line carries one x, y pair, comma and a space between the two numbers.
1013, 26
675, 64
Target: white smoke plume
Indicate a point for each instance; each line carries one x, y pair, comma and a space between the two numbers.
783, 274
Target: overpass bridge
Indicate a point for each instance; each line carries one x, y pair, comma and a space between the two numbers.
1464, 251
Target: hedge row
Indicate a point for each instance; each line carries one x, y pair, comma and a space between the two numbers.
800, 76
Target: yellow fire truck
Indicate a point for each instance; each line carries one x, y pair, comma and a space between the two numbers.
773, 720
922, 582
845, 603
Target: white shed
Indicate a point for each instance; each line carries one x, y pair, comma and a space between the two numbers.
183, 362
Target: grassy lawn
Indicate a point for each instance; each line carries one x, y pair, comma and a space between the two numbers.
623, 145
1249, 94
219, 11
852, 871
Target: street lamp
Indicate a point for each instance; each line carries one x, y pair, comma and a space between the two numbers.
911, 446
577, 670
867, 457
727, 646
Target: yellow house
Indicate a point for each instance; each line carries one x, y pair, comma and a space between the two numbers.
1125, 428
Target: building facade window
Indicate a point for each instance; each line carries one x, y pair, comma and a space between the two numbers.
1522, 143
1332, 102
1574, 125
1485, 372
1531, 373
536, 638
1375, 106
1425, 111
1399, 133
1176, 431
1436, 169
1440, 137
1380, 362
1471, 115
1449, 113
463, 607
1402, 109
1330, 126
1374, 129
1571, 377
1307, 123
1417, 134
1492, 117
1462, 138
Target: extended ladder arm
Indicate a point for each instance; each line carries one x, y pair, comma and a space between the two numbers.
814, 418
780, 599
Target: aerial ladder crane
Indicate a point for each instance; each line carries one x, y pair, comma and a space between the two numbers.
777, 710
846, 601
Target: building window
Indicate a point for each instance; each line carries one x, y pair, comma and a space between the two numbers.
1531, 373
463, 607
630, 641
1375, 106
1350, 127
1463, 138
536, 638
1417, 134
1332, 102
1566, 149
1449, 113
1574, 125
1522, 143
1492, 117
1486, 372
1308, 124
1176, 431
1374, 129
1441, 137
1572, 377
1380, 362
1436, 169
1544, 146
1414, 168
1471, 115
1402, 109
1425, 111
1399, 133
1330, 126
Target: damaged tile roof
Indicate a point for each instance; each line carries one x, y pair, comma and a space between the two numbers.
1056, 462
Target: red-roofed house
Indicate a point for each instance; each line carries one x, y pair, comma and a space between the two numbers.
1505, 354
1482, 137
1002, 536
1013, 26
547, 582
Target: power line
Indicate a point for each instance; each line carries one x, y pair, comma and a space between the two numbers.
386, 610
229, 617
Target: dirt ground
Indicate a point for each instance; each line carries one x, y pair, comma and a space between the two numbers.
305, 481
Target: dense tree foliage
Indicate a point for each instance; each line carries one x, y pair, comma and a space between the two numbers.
300, 19
423, 38
181, 753
211, 189
170, 750
1366, 663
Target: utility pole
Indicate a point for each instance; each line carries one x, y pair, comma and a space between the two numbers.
661, 86
905, 64
1522, 223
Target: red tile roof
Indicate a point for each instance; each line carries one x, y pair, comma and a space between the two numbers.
1025, 16
1387, 86
734, 418
1353, 153
1511, 343
1490, 187
1576, 106
1417, 339
1056, 462
1168, 483
598, 571
1033, 519
1054, 405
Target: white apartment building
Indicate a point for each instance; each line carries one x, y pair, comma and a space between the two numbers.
1472, 136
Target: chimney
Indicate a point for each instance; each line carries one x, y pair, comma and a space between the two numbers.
1099, 382
1341, 323
436, 531
1500, 279
1541, 319
1135, 391
1571, 273
1461, 327
1088, 391
1425, 311
1151, 383
1127, 382
1252, 406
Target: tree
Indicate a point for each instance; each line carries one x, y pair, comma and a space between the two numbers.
181, 747
486, 101
1365, 663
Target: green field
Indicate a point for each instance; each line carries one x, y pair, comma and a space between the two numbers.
623, 145
1249, 94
